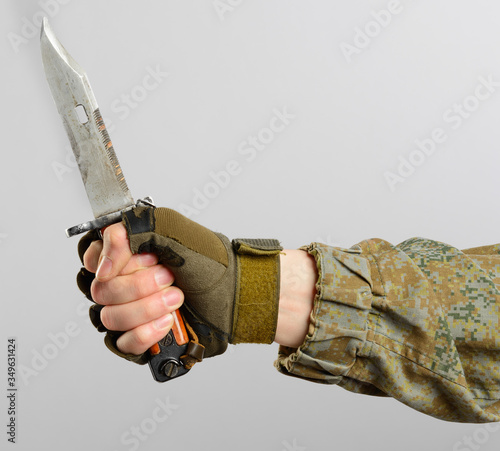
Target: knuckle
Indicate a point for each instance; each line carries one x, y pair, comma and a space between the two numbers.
95, 291
99, 291
87, 262
107, 318
106, 293
91, 256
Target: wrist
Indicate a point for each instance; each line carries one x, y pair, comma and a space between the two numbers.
298, 279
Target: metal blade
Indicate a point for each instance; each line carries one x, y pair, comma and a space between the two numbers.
99, 168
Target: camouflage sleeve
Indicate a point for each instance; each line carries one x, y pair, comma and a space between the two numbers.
418, 322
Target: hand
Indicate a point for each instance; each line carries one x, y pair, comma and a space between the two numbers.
231, 288
236, 292
136, 293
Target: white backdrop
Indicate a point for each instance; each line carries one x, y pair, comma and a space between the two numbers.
386, 125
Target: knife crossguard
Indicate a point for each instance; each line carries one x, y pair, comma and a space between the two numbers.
98, 223
106, 220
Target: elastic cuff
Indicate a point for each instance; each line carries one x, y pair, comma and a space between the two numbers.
338, 326
257, 291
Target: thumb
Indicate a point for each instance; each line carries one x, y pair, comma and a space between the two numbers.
115, 252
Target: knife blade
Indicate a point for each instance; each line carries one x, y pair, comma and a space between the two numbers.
100, 170
102, 176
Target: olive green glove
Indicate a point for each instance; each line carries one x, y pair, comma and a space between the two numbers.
231, 289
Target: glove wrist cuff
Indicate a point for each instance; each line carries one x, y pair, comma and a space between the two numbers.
257, 290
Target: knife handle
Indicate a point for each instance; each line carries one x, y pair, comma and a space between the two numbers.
179, 331
165, 356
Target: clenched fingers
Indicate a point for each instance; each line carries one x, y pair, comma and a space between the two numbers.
140, 339
133, 314
131, 287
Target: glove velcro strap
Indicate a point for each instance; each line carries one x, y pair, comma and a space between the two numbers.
257, 290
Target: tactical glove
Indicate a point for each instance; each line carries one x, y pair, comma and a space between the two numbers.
231, 289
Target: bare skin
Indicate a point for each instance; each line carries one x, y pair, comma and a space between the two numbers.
139, 295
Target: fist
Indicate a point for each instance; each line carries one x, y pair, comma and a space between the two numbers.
134, 294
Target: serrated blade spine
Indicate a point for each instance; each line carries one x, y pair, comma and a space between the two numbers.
110, 151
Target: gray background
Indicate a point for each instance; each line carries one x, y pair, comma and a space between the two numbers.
320, 179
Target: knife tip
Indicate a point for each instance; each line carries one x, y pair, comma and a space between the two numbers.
54, 51
45, 25
46, 33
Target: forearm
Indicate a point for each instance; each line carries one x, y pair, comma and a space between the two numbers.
417, 322
297, 290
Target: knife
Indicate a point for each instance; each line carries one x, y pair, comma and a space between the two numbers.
102, 176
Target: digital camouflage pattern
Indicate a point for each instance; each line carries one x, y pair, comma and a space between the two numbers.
418, 322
